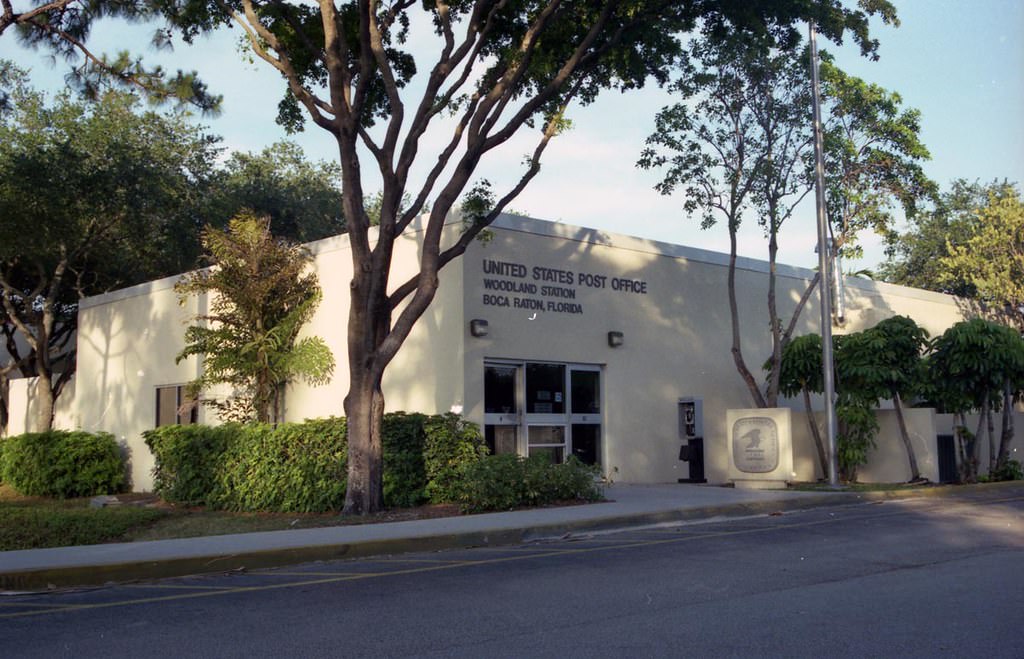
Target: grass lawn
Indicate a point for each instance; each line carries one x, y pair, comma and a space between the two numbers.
36, 522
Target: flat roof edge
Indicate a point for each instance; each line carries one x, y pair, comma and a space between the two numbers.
536, 226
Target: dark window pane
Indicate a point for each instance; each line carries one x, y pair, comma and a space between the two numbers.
166, 406
586, 392
586, 442
500, 389
545, 389
546, 435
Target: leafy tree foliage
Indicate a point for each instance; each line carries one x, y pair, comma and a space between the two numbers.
263, 295
63, 26
918, 256
864, 372
92, 196
301, 198
978, 365
496, 67
873, 158
884, 362
991, 258
740, 144
800, 373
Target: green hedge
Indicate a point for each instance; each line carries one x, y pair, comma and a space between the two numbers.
451, 445
405, 477
296, 467
301, 467
502, 482
63, 464
189, 461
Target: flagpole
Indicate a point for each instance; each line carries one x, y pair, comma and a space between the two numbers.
824, 253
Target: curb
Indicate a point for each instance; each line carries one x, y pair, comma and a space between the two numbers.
92, 575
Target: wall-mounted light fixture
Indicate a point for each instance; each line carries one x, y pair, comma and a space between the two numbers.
478, 327
614, 339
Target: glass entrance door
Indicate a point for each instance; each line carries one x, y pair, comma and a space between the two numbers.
502, 384
555, 409
585, 413
545, 411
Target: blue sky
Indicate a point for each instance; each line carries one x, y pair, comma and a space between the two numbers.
960, 63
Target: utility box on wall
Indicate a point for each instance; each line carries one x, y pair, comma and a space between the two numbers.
760, 447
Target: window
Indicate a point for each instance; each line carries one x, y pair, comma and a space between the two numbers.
173, 406
543, 408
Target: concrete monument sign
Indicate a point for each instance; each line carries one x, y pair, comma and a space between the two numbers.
760, 447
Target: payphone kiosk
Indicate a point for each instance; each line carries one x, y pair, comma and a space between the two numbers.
691, 432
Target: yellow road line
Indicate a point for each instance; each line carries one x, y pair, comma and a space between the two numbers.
172, 586
471, 563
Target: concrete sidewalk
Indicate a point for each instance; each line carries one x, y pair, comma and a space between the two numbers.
628, 505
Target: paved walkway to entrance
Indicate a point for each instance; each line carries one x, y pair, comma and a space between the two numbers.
628, 505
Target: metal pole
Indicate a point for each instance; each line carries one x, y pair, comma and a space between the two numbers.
824, 252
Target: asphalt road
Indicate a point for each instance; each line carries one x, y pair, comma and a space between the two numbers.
918, 578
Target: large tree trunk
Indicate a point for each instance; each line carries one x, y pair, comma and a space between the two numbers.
44, 402
1006, 436
990, 422
816, 433
364, 408
5, 392
772, 388
737, 350
915, 474
970, 466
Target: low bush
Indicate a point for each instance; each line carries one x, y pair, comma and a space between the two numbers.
189, 461
502, 482
405, 478
451, 445
63, 464
302, 467
296, 467
1010, 471
858, 428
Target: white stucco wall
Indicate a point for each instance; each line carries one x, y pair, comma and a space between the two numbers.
127, 343
944, 426
128, 340
23, 407
676, 340
677, 336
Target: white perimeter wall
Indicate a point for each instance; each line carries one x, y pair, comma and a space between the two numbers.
677, 336
128, 340
23, 406
677, 342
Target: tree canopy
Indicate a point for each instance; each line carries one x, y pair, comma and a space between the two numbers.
978, 366
264, 293
739, 143
873, 158
101, 195
917, 255
493, 69
93, 196
991, 258
63, 27
301, 198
